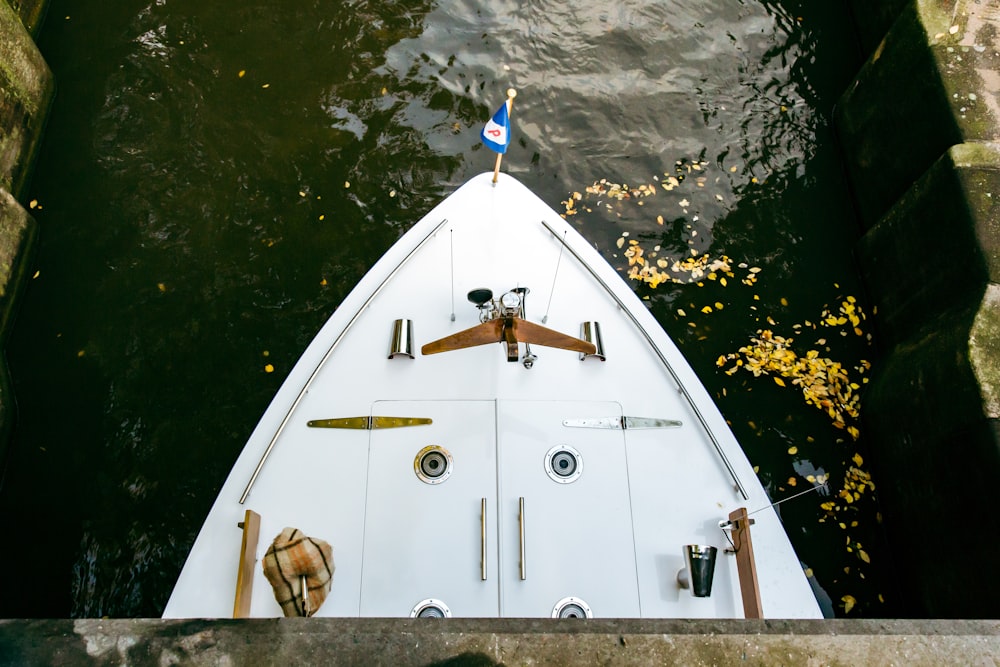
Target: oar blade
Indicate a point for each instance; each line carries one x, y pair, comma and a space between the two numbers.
488, 332
536, 334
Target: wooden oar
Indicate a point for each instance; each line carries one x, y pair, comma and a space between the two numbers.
481, 334
529, 332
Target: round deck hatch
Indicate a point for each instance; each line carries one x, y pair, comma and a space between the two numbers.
572, 607
563, 464
430, 608
433, 464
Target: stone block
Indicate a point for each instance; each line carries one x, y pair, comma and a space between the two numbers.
26, 91
872, 20
928, 260
931, 411
931, 83
31, 13
18, 238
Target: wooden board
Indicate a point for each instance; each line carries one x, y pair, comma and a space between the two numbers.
248, 558
745, 564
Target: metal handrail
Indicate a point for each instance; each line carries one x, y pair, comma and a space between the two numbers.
326, 357
663, 359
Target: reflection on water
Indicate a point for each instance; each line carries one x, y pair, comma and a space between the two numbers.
216, 177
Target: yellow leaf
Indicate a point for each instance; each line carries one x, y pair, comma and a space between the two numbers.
793, 450
857, 459
242, 73
792, 481
718, 306
706, 309
779, 382
849, 603
268, 368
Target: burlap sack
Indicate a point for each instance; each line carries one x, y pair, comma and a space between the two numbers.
291, 557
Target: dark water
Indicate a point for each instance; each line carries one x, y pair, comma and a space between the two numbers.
217, 176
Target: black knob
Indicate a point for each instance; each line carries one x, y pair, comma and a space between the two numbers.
480, 296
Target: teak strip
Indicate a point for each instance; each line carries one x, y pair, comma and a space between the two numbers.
248, 558
746, 566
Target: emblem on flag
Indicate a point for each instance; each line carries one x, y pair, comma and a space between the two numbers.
496, 134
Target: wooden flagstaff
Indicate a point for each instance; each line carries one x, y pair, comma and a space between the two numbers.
746, 565
511, 94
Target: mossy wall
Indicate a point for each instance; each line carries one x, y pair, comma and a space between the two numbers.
26, 91
919, 128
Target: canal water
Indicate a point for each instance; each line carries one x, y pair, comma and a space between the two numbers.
217, 176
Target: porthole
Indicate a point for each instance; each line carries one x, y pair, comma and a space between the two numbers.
563, 464
433, 464
572, 607
430, 608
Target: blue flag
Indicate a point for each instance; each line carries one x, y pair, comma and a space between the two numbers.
496, 134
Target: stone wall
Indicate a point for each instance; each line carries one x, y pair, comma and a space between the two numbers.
26, 91
918, 128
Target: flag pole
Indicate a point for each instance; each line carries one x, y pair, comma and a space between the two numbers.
511, 94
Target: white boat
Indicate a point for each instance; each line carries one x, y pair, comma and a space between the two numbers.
577, 468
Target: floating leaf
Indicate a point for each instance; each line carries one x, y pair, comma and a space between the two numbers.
849, 602
268, 368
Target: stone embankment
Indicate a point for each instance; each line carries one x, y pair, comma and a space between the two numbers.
26, 91
919, 127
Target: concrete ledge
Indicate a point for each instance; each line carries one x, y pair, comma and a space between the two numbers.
495, 642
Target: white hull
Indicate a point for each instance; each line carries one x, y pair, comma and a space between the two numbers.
613, 537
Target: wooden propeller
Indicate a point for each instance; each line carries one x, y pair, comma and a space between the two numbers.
511, 330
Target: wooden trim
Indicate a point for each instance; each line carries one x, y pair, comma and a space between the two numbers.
746, 566
248, 558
